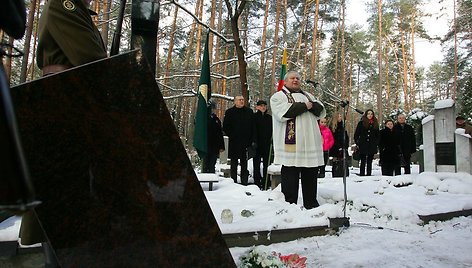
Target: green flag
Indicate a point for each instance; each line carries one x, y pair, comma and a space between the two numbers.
200, 136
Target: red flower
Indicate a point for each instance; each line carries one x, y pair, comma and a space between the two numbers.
293, 261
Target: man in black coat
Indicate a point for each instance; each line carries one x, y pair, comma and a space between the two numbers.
238, 126
406, 136
262, 142
216, 143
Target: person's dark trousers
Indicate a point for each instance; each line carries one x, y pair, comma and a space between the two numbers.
265, 178
387, 169
244, 171
290, 184
366, 160
260, 180
209, 163
322, 168
407, 167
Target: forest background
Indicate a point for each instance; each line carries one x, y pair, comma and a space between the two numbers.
371, 66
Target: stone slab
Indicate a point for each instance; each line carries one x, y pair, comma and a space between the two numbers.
445, 216
445, 124
464, 153
428, 147
256, 238
117, 187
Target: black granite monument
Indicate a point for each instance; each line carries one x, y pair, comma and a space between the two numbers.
116, 185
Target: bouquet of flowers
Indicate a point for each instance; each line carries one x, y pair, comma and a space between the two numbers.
259, 259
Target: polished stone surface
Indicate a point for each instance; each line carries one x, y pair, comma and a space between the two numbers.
117, 187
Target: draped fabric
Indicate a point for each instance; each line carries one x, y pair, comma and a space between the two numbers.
308, 147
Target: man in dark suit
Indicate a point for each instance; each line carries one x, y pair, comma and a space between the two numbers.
406, 136
262, 142
238, 126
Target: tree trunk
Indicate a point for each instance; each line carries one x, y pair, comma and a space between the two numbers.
106, 18
220, 86
263, 45
26, 49
171, 46
314, 43
199, 36
184, 123
413, 62
7, 65
301, 32
343, 49
276, 42
388, 95
239, 46
454, 86
379, 52
32, 68
336, 55
405, 65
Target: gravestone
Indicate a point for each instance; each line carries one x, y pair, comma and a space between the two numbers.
445, 125
440, 151
464, 151
428, 144
224, 163
116, 185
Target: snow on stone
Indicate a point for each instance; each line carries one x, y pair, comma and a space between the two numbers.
441, 104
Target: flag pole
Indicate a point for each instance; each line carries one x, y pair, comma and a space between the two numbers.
200, 135
283, 71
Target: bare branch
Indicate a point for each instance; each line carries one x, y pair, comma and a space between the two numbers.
259, 52
179, 96
216, 76
247, 57
192, 93
203, 24
240, 8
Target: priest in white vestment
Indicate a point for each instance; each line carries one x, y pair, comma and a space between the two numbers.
298, 144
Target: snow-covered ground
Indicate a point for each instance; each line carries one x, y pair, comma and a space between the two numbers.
385, 229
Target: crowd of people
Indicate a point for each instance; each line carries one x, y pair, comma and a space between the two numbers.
298, 136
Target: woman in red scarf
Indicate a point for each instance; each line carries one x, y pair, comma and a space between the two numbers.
367, 141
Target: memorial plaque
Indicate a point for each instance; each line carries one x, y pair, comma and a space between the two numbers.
117, 187
445, 153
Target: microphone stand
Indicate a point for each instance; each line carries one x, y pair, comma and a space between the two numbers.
340, 221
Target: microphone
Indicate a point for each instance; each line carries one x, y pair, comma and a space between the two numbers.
314, 83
